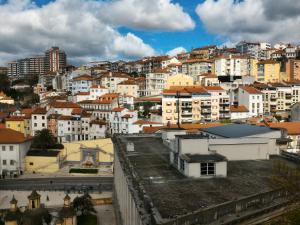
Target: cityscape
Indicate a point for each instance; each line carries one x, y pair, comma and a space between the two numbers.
207, 133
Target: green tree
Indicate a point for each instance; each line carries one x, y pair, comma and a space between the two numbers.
43, 139
83, 205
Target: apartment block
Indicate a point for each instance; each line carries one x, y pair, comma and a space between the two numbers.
195, 67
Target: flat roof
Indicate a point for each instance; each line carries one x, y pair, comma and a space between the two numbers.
237, 130
198, 158
174, 194
191, 136
43, 153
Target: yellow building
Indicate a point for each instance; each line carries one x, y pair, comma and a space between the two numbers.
73, 151
42, 161
253, 68
179, 80
20, 124
268, 71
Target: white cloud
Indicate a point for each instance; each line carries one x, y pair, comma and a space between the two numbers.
257, 20
147, 14
81, 27
176, 51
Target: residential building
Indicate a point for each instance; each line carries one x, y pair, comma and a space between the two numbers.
186, 105
268, 71
195, 67
156, 81
63, 107
55, 60
13, 148
293, 69
232, 66
239, 112
13, 69
179, 80
38, 120
207, 79
121, 121
4, 99
249, 48
252, 99
111, 80
129, 87
81, 83
205, 52
21, 124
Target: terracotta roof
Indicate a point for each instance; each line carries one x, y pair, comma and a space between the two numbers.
63, 117
251, 90
27, 111
63, 105
145, 122
184, 89
293, 128
214, 88
238, 108
119, 109
83, 93
15, 118
148, 99
9, 136
128, 82
83, 77
198, 61
39, 111
188, 127
127, 116
76, 111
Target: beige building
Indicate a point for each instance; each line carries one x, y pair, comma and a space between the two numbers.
207, 79
179, 80
128, 87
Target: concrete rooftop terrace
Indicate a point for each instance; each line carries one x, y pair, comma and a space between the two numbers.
174, 194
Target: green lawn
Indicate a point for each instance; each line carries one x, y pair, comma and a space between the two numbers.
87, 220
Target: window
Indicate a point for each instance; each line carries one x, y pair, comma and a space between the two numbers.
207, 169
11, 148
3, 148
12, 162
35, 124
34, 117
31, 163
43, 125
43, 117
4, 162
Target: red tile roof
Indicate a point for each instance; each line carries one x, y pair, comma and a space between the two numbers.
83, 77
239, 108
39, 111
251, 90
145, 122
63, 105
119, 109
184, 89
9, 136
214, 88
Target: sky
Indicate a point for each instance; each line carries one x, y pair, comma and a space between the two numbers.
90, 30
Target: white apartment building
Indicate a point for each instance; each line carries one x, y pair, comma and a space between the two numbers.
121, 121
38, 120
13, 149
252, 99
238, 112
111, 80
81, 83
232, 66
62, 107
156, 82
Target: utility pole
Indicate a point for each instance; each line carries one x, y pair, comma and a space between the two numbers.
177, 108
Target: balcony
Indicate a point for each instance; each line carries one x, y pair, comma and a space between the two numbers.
224, 110
205, 104
288, 96
224, 103
186, 112
273, 98
206, 111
